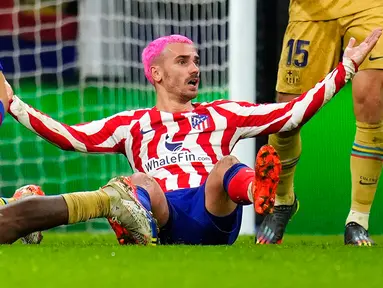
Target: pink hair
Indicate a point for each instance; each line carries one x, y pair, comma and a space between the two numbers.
155, 48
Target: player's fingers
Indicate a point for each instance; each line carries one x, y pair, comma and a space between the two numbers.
351, 42
374, 38
373, 34
376, 33
368, 38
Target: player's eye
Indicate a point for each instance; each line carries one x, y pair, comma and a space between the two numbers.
182, 62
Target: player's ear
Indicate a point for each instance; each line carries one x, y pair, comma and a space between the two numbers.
156, 73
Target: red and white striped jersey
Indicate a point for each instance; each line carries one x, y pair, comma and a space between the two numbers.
180, 149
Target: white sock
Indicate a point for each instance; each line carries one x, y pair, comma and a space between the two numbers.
250, 192
358, 217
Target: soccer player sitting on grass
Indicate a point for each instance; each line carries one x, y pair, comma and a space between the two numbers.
185, 179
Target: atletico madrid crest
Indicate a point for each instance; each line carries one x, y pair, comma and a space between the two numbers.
200, 122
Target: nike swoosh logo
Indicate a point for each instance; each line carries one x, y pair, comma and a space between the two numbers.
147, 131
374, 58
366, 183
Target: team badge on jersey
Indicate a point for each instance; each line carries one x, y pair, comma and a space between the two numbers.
200, 122
292, 77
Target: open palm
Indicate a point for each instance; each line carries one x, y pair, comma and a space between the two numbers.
359, 53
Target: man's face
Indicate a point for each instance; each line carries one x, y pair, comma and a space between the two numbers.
179, 70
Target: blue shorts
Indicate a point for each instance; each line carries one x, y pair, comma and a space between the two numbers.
190, 223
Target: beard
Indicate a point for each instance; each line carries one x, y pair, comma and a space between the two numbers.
176, 86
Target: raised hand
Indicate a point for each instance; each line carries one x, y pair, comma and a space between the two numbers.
359, 53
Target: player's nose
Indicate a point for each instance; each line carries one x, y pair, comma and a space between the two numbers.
193, 68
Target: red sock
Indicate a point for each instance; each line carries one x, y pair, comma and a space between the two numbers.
236, 182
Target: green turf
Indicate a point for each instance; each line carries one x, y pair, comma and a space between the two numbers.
96, 260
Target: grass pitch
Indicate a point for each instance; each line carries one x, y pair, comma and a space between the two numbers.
96, 260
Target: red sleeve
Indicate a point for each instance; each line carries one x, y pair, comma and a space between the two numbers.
102, 136
262, 119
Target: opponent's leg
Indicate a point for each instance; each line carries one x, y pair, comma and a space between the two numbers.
27, 191
367, 153
116, 201
367, 150
297, 73
23, 217
20, 193
288, 146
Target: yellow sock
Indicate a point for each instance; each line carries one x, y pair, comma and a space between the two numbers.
83, 206
289, 149
366, 166
5, 201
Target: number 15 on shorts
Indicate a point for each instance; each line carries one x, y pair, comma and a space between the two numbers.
297, 54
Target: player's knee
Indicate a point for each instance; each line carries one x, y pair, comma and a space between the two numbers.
367, 95
147, 182
226, 162
140, 179
285, 97
156, 194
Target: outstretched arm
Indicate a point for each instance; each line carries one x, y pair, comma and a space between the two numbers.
102, 136
254, 119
